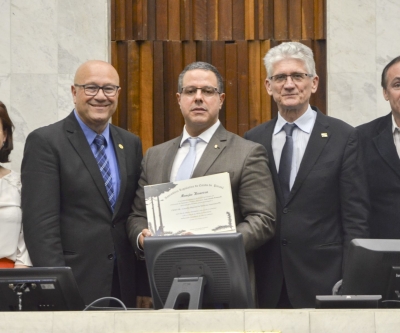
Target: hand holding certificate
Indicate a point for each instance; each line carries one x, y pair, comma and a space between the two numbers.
200, 205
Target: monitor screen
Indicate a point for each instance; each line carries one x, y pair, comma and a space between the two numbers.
39, 289
371, 268
216, 262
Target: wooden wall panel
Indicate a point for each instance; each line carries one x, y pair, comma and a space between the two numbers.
307, 11
281, 19
146, 94
294, 19
231, 89
162, 20
153, 40
212, 20
242, 87
174, 24
225, 20
133, 87
158, 95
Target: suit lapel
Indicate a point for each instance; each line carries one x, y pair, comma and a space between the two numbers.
313, 150
385, 144
79, 142
169, 158
214, 148
266, 141
120, 153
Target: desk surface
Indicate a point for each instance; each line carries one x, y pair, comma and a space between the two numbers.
285, 321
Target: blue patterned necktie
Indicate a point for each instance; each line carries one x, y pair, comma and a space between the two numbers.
186, 169
104, 166
285, 164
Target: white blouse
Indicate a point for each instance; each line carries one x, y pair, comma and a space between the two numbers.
12, 244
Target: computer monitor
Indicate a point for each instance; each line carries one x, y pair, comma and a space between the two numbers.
194, 270
372, 268
39, 289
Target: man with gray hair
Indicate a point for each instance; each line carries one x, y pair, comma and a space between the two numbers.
200, 97
320, 186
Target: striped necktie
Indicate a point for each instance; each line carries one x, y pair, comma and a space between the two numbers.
104, 166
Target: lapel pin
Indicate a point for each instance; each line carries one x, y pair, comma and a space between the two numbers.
121, 146
324, 135
216, 146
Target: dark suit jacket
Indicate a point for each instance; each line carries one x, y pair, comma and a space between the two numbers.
67, 217
383, 172
327, 207
252, 189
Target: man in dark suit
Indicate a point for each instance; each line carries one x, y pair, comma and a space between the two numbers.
74, 214
381, 143
200, 96
317, 171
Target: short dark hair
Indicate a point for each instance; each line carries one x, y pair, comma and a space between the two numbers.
385, 70
8, 128
204, 66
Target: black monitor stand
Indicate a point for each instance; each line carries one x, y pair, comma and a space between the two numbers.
188, 291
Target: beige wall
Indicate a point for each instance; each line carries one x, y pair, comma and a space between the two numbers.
41, 44
362, 37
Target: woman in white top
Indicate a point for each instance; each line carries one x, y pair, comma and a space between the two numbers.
13, 252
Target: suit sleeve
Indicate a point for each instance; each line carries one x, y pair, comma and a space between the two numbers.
257, 200
137, 220
40, 202
354, 193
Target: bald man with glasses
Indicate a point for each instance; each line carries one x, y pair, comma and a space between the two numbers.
79, 178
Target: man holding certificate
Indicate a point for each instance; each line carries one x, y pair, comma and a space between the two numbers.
207, 148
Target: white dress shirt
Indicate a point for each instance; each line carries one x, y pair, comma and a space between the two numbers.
204, 137
301, 135
12, 245
396, 135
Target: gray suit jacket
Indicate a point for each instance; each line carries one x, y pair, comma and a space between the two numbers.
67, 217
252, 187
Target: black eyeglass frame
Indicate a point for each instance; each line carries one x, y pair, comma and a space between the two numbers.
98, 88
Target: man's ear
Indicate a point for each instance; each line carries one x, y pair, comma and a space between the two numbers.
385, 94
315, 81
221, 100
267, 85
73, 92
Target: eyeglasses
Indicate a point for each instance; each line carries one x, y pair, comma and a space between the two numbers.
92, 89
206, 91
296, 77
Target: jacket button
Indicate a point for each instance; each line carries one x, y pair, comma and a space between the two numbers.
110, 256
285, 210
284, 242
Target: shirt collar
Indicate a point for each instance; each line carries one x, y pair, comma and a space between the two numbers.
205, 136
89, 133
394, 125
305, 122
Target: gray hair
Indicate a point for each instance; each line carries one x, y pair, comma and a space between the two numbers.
290, 50
204, 66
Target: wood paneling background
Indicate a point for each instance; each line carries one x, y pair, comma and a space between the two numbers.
153, 40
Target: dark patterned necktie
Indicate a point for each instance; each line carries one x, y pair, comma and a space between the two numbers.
285, 164
104, 166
